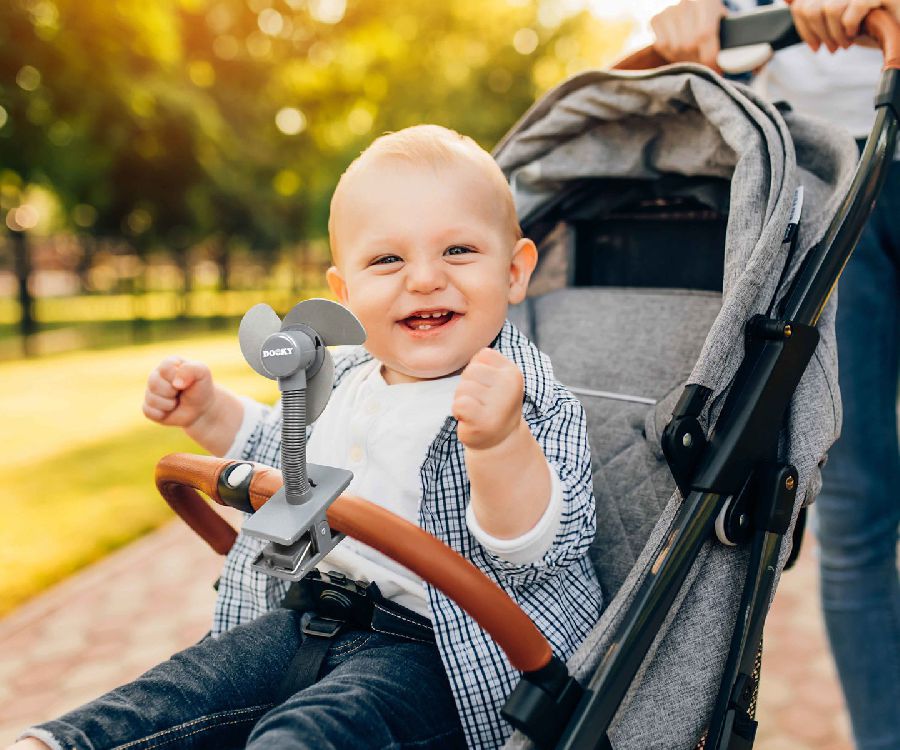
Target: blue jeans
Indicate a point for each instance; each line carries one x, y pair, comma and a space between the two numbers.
859, 508
374, 691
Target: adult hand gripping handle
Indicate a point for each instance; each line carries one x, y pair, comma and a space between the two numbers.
879, 24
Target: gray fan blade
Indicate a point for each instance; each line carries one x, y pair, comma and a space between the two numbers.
318, 389
333, 322
258, 323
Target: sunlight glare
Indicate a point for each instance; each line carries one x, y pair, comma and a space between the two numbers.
327, 11
290, 121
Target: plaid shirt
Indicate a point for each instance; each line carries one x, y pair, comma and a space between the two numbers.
560, 592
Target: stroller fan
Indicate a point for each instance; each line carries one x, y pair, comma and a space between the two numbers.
293, 352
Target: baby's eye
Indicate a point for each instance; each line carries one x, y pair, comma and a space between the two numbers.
457, 250
385, 259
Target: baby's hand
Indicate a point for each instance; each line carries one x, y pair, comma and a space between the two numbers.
488, 401
179, 392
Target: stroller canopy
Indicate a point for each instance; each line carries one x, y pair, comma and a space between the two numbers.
575, 154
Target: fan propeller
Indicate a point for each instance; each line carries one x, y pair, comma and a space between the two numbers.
293, 351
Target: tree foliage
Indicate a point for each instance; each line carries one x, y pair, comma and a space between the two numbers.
171, 121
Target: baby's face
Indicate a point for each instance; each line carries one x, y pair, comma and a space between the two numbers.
427, 261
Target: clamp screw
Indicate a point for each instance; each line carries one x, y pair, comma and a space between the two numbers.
787, 332
687, 440
789, 483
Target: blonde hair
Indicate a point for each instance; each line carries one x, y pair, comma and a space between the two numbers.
437, 147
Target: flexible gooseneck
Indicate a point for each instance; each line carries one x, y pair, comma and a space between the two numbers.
293, 444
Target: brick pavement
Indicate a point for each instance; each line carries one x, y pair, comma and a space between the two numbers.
111, 622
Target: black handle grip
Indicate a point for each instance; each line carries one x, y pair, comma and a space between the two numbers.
774, 26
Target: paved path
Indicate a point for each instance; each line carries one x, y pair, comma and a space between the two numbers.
136, 607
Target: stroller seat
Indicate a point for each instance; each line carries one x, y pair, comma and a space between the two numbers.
650, 340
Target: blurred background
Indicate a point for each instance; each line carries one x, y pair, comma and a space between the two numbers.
165, 165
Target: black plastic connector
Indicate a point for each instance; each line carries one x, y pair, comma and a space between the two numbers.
542, 703
683, 440
776, 355
234, 486
775, 503
740, 727
889, 91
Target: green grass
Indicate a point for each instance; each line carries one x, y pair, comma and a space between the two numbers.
77, 506
77, 456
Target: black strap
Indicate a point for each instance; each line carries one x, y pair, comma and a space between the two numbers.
306, 665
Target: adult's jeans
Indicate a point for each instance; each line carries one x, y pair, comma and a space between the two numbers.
375, 691
859, 509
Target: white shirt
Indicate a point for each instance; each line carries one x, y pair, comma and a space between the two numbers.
839, 87
381, 433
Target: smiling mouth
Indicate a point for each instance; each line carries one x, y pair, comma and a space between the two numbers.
425, 321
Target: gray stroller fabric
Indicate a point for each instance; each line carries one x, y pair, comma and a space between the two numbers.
685, 120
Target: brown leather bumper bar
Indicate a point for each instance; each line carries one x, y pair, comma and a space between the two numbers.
180, 475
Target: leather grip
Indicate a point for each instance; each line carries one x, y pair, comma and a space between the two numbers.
884, 29
179, 475
644, 59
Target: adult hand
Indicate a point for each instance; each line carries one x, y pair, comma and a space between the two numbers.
689, 31
835, 23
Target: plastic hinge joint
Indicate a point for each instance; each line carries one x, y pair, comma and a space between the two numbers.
683, 440
542, 703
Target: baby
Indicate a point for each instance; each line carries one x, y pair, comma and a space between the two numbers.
448, 417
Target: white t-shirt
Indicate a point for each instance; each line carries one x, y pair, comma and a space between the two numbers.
839, 87
382, 433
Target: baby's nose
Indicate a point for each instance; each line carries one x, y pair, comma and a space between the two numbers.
425, 277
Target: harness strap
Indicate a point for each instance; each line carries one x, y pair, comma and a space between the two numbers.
331, 602
306, 665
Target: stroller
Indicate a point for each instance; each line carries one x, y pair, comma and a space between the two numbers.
709, 381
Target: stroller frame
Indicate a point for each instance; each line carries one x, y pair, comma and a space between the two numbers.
732, 483
738, 460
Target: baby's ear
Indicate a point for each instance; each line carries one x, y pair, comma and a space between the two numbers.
521, 266
337, 284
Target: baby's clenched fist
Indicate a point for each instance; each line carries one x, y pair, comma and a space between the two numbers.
488, 400
179, 392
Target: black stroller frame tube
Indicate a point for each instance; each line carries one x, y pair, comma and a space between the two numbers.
758, 589
823, 266
691, 527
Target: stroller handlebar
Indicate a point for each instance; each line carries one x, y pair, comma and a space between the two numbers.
180, 475
885, 30
775, 26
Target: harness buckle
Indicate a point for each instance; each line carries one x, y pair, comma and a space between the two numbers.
322, 627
